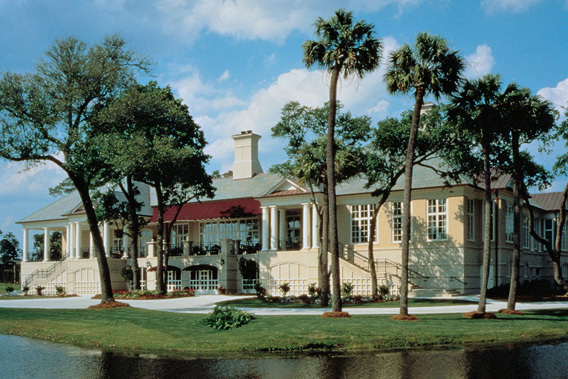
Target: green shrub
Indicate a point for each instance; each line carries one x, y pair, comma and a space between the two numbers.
59, 290
26, 289
227, 317
346, 288
285, 288
313, 290
383, 290
259, 289
9, 289
39, 289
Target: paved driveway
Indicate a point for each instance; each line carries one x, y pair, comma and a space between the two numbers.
205, 303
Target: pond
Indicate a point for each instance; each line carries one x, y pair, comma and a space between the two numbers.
28, 358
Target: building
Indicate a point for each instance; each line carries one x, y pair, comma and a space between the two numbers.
271, 223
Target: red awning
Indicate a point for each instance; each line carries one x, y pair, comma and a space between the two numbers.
234, 208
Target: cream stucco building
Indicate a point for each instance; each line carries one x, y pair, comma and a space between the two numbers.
273, 221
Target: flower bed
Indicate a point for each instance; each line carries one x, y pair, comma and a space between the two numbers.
306, 299
149, 295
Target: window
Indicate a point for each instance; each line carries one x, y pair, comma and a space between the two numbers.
117, 242
180, 233
145, 237
245, 230
509, 222
549, 230
470, 220
293, 232
525, 235
360, 222
397, 208
437, 220
564, 242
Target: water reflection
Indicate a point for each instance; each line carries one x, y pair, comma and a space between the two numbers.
27, 358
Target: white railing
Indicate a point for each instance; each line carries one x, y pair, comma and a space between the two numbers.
248, 285
297, 286
174, 285
204, 287
87, 288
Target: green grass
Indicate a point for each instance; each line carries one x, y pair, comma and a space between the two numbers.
164, 333
4, 285
256, 303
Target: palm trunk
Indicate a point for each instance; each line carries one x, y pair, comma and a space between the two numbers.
516, 259
104, 272
324, 248
371, 255
407, 197
330, 161
481, 307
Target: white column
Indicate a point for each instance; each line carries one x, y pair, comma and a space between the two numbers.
265, 229
25, 246
282, 233
67, 241
306, 242
125, 241
106, 235
315, 227
46, 244
91, 246
273, 228
78, 242
71, 240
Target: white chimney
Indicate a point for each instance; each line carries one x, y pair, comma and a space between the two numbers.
246, 164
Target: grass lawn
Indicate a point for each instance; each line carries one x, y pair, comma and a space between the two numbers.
256, 303
174, 334
4, 285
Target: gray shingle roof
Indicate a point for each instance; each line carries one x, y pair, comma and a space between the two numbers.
550, 201
227, 188
55, 210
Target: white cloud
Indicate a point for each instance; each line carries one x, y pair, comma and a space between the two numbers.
380, 108
557, 95
502, 6
16, 182
202, 98
479, 63
269, 60
251, 19
224, 76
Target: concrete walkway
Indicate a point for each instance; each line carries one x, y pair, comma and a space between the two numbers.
205, 303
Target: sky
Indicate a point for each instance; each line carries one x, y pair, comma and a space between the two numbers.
235, 63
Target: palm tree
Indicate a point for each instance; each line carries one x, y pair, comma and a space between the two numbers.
476, 111
429, 67
345, 47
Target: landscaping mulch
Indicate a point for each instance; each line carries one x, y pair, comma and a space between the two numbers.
109, 305
405, 318
335, 314
510, 312
480, 315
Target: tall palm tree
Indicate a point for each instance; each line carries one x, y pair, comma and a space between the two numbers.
429, 67
476, 110
345, 47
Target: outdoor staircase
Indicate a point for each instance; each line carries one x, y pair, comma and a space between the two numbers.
45, 275
391, 271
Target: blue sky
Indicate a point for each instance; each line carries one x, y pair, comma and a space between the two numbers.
236, 63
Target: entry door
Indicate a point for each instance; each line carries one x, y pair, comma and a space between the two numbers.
204, 277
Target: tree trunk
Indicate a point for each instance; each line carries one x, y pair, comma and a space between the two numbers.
516, 259
161, 230
371, 255
134, 231
104, 272
330, 162
324, 248
407, 197
481, 307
